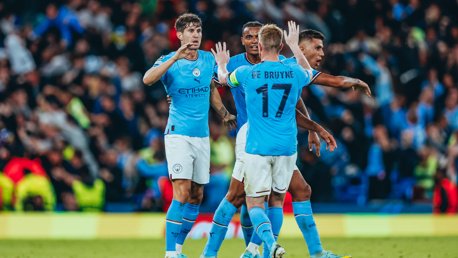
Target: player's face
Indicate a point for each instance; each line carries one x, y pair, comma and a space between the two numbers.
192, 34
313, 51
250, 40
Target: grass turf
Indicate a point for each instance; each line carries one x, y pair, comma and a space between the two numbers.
418, 247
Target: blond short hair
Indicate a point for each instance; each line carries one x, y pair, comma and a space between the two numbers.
271, 37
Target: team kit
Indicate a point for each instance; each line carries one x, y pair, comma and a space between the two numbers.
266, 88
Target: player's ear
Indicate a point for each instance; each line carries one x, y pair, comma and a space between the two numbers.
241, 39
179, 35
281, 47
260, 47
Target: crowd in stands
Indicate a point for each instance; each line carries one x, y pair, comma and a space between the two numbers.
80, 131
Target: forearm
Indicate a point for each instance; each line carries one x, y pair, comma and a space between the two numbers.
155, 73
301, 60
223, 74
335, 81
216, 102
304, 122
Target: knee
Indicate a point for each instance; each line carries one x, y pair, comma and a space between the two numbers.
196, 197
235, 198
181, 193
303, 195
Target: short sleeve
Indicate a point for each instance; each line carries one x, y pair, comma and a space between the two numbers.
304, 76
238, 76
314, 75
161, 60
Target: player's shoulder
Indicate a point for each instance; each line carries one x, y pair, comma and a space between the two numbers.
282, 57
237, 59
164, 58
290, 60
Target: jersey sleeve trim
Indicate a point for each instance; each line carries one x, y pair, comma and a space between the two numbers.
314, 77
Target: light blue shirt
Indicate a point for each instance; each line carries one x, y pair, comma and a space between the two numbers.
239, 93
187, 82
272, 90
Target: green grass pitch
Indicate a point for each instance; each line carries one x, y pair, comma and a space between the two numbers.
415, 247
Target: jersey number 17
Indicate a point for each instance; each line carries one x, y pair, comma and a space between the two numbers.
265, 98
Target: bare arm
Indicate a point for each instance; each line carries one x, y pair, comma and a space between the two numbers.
230, 121
293, 40
310, 125
155, 73
343, 82
313, 138
222, 57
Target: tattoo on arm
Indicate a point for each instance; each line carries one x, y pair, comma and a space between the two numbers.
223, 112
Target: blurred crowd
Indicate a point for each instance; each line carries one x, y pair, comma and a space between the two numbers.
80, 131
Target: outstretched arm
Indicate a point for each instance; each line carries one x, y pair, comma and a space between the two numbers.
343, 82
156, 72
230, 121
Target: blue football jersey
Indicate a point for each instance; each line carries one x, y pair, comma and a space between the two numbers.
272, 90
293, 60
239, 93
187, 82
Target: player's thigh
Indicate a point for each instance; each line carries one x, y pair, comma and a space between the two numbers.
282, 172
180, 157
298, 188
201, 147
258, 175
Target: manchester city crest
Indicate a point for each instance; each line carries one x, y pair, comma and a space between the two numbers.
196, 72
177, 168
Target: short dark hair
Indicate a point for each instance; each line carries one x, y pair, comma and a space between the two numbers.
185, 20
310, 34
251, 24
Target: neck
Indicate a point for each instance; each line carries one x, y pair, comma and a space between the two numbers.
268, 56
192, 55
255, 59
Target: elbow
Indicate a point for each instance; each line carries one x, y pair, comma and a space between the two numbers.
147, 81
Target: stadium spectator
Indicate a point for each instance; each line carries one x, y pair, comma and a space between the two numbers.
445, 198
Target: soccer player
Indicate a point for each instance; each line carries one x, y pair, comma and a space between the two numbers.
272, 91
312, 48
187, 77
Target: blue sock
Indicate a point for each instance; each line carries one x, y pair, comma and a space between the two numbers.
255, 239
275, 215
262, 225
190, 213
173, 221
221, 220
247, 226
304, 218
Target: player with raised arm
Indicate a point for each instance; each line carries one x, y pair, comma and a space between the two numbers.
187, 77
298, 188
272, 90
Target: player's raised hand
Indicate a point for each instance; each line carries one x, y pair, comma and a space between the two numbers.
183, 51
330, 141
292, 38
230, 122
221, 55
314, 139
362, 86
